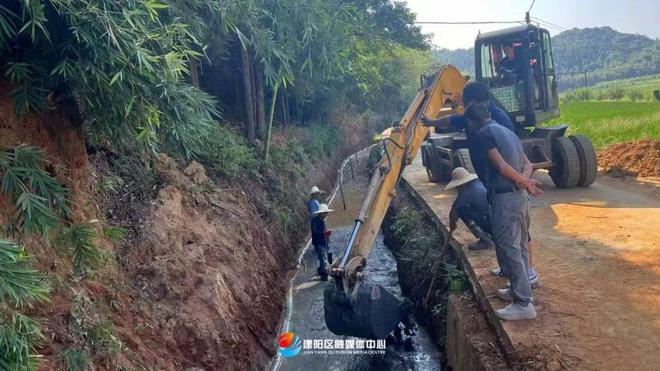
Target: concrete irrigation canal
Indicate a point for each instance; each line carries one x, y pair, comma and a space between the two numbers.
304, 315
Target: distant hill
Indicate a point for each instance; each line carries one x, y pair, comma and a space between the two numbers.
604, 53
463, 59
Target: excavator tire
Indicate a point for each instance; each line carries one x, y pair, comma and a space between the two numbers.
588, 159
426, 162
434, 169
424, 151
565, 172
461, 158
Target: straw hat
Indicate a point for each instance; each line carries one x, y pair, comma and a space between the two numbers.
323, 208
314, 190
460, 176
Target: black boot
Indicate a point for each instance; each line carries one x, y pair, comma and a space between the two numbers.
485, 241
482, 244
323, 274
329, 258
408, 344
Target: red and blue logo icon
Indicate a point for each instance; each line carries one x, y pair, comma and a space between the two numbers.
289, 344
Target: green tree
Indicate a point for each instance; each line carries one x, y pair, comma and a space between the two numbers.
583, 94
616, 93
120, 65
635, 95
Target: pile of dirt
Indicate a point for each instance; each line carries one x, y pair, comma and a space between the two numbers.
640, 158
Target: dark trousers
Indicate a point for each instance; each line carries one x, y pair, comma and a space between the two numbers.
321, 254
468, 214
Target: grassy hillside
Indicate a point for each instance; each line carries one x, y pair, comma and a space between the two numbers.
611, 122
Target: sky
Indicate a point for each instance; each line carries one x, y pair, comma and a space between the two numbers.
630, 16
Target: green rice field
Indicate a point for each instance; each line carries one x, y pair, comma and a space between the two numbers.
611, 122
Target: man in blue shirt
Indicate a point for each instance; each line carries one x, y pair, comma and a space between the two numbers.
472, 92
313, 203
320, 239
471, 206
506, 179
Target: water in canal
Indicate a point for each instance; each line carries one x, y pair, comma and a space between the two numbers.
304, 312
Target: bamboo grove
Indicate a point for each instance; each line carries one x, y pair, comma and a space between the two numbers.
162, 73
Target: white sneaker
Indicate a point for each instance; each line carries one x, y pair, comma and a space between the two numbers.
534, 281
496, 272
507, 295
515, 312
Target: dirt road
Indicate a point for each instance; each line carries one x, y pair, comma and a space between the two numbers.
598, 256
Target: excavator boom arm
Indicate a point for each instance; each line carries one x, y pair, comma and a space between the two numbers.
436, 96
352, 307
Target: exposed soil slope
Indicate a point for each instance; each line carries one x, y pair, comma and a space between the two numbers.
198, 282
205, 274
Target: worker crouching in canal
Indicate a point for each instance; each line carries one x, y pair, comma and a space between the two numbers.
321, 239
471, 206
509, 207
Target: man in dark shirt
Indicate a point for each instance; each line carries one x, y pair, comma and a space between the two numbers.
472, 92
471, 206
508, 63
509, 207
320, 236
509, 68
478, 92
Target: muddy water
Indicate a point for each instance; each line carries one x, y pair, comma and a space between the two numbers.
305, 318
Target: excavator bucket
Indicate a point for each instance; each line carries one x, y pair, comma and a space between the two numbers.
372, 313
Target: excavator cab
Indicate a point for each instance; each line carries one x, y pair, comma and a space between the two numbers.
517, 65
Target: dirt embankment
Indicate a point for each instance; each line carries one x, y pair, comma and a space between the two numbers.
199, 280
640, 158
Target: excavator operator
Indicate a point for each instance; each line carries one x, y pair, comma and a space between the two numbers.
509, 64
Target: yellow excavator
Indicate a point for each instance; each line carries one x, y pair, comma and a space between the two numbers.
355, 308
352, 307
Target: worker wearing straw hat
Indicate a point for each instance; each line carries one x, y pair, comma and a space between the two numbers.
314, 203
471, 206
321, 239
